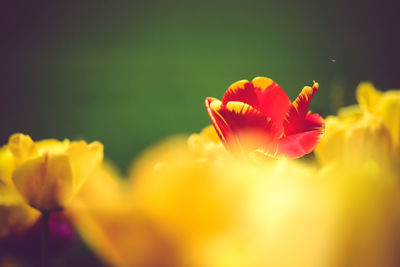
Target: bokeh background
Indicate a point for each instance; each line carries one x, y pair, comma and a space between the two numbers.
132, 72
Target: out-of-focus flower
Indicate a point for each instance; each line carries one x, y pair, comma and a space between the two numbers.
364, 205
48, 173
368, 131
258, 115
385, 105
107, 220
189, 199
232, 212
16, 216
206, 144
192, 208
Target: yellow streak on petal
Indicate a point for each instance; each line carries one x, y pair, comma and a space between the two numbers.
315, 85
238, 107
262, 82
237, 85
215, 106
306, 92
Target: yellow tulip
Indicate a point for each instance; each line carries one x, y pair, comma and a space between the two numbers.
385, 105
48, 173
368, 131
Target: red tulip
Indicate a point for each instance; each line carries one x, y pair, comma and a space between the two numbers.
258, 115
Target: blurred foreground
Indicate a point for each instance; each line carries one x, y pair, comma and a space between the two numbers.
188, 202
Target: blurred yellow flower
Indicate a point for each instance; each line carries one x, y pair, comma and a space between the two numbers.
15, 214
108, 222
368, 131
385, 105
48, 173
192, 204
206, 144
365, 207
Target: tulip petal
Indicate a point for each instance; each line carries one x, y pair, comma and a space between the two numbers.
262, 94
250, 128
240, 116
52, 145
389, 111
45, 182
22, 147
300, 144
213, 106
242, 91
273, 101
7, 165
85, 158
295, 120
367, 96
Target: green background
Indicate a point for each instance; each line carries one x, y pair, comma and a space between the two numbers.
131, 73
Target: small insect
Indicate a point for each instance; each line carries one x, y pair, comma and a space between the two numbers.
333, 60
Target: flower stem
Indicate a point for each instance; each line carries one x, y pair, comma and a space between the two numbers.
45, 236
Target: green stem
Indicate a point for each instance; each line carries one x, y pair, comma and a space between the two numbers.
45, 236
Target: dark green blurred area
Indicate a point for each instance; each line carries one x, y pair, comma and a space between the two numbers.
131, 73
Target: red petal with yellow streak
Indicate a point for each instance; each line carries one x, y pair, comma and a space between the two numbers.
297, 120
241, 116
263, 94
242, 126
221, 127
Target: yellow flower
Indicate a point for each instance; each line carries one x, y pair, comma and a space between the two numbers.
194, 206
48, 173
363, 205
108, 222
385, 105
15, 214
368, 131
230, 212
206, 144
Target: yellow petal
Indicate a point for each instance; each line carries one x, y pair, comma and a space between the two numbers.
367, 96
85, 159
22, 147
45, 182
7, 165
332, 144
52, 145
389, 112
206, 144
350, 114
209, 134
103, 190
353, 141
